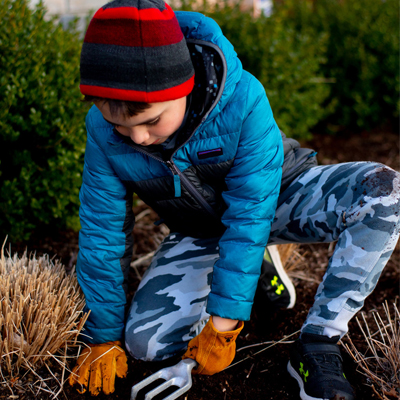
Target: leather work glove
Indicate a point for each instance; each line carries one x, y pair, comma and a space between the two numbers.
97, 367
212, 349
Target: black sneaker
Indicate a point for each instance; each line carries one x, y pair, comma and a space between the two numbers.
317, 368
275, 286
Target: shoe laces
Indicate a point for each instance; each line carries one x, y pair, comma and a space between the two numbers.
330, 364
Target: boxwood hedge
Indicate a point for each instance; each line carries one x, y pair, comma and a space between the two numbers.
42, 132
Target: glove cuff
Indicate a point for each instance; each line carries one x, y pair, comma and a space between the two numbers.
234, 332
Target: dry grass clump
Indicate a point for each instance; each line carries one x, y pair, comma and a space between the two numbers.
290, 255
293, 259
381, 361
40, 318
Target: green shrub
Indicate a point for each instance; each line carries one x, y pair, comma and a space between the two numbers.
285, 61
362, 55
42, 135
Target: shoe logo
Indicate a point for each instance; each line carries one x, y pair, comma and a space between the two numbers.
302, 372
280, 287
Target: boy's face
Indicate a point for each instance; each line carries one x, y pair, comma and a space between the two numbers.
152, 126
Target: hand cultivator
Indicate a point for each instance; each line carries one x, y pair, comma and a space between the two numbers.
178, 375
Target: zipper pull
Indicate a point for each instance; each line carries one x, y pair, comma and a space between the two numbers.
177, 179
177, 186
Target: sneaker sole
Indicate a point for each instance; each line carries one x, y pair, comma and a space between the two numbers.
276, 259
303, 394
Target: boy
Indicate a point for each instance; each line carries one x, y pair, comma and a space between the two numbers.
177, 121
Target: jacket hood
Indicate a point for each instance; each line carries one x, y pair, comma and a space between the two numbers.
197, 26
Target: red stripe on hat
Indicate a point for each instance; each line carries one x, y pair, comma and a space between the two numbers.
125, 32
134, 95
134, 13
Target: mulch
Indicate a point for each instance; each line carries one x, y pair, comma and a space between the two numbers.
259, 375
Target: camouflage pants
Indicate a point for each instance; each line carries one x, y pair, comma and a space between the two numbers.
354, 204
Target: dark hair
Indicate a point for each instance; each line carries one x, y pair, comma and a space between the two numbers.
126, 108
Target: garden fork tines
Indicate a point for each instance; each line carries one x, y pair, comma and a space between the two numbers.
178, 375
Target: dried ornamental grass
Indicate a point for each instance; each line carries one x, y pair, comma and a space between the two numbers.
40, 316
380, 363
291, 256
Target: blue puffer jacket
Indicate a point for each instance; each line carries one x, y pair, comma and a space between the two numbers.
246, 152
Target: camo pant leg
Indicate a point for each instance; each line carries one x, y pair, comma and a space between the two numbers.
171, 299
357, 205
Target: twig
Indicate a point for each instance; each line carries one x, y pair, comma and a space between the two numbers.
266, 348
142, 260
254, 345
378, 394
142, 214
6, 382
264, 370
331, 247
46, 390
103, 354
61, 384
51, 373
302, 276
63, 371
251, 369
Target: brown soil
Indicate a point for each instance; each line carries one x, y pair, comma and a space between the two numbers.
260, 376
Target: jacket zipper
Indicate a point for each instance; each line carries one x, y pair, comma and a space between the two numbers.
190, 188
179, 178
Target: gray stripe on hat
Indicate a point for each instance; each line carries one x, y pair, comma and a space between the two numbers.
169, 55
123, 67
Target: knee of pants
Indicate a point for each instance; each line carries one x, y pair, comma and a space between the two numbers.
382, 181
148, 345
377, 195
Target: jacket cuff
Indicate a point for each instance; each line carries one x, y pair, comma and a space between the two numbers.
228, 308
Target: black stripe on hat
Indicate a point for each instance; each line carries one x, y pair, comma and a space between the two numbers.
139, 4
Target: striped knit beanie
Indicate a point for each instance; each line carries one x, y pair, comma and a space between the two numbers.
135, 50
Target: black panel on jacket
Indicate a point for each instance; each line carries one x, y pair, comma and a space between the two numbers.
159, 194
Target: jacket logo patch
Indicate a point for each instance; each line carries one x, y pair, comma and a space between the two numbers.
209, 153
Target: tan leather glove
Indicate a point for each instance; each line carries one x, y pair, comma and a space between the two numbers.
97, 367
212, 349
